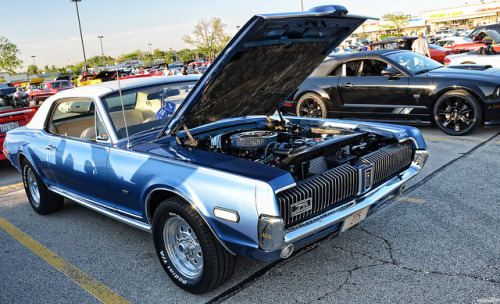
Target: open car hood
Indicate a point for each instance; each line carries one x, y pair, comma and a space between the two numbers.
263, 64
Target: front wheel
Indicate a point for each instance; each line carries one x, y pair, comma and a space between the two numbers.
311, 105
188, 252
457, 113
42, 200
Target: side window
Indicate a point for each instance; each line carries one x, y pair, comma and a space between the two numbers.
372, 67
337, 72
75, 118
146, 109
351, 68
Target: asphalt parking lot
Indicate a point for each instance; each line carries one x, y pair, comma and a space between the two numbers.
438, 243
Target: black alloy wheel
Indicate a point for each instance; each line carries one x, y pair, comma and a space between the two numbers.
457, 113
311, 105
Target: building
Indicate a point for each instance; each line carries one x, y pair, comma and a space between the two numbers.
466, 16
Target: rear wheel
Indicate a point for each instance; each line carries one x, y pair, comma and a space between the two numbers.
311, 105
42, 200
457, 113
189, 253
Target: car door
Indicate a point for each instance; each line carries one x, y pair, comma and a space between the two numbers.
76, 156
366, 93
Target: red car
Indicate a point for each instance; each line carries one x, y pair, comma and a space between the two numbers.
11, 118
48, 89
437, 53
483, 39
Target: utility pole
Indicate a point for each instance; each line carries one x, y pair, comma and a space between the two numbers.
81, 36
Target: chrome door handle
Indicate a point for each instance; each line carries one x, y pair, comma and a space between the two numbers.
50, 147
347, 85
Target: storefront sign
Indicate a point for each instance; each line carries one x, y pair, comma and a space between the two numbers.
462, 12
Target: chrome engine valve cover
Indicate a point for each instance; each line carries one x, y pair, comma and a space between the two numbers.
253, 139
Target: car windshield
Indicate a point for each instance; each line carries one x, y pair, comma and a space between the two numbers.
413, 62
146, 109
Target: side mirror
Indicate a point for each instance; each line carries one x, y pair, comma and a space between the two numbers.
390, 73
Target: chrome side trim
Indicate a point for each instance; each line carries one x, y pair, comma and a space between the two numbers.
15, 113
103, 209
285, 188
186, 198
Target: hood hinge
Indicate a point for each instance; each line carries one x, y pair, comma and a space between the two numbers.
191, 142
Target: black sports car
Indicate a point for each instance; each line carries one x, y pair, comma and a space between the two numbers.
402, 86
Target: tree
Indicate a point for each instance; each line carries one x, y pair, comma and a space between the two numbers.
395, 21
208, 36
32, 69
8, 55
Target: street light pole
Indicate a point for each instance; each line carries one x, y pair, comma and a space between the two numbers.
33, 60
102, 51
81, 36
302, 4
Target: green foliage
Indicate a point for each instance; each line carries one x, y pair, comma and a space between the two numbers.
391, 35
157, 53
97, 61
8, 55
395, 21
208, 36
32, 69
168, 58
137, 55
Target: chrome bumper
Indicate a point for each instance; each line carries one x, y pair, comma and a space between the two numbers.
274, 237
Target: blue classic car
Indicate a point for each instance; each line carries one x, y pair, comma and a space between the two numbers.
205, 166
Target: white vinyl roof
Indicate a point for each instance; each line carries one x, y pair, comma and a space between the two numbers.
95, 91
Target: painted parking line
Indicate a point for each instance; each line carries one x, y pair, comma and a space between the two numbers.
10, 186
100, 291
410, 199
454, 139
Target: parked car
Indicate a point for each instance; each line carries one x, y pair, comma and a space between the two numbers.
14, 112
441, 34
48, 89
404, 43
484, 56
201, 164
451, 41
400, 86
479, 29
483, 39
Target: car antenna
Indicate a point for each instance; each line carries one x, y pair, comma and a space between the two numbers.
129, 145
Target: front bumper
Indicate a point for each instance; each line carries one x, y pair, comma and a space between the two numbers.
274, 239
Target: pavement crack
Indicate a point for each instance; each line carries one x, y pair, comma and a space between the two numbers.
451, 162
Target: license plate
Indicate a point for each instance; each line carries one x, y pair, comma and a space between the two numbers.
8, 126
355, 218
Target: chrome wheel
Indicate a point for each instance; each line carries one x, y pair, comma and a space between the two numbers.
183, 247
33, 187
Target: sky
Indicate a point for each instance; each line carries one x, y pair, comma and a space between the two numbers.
49, 29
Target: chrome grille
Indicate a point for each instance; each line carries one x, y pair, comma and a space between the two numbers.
389, 160
339, 184
325, 190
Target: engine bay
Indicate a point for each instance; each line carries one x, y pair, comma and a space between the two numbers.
304, 151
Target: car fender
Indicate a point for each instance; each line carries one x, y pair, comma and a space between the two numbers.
456, 85
313, 88
203, 194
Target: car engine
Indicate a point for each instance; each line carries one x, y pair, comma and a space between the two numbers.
302, 151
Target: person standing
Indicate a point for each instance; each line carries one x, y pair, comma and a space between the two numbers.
184, 69
421, 45
167, 71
